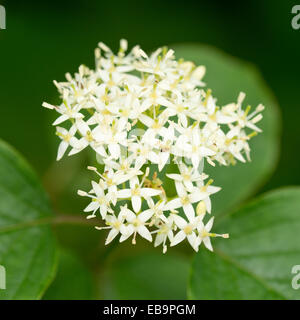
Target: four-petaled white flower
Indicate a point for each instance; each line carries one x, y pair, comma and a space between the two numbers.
136, 224
205, 235
114, 224
187, 230
67, 137
187, 176
185, 200
99, 201
136, 193
164, 232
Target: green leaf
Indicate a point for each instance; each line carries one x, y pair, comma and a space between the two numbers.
256, 261
147, 275
227, 76
73, 280
27, 247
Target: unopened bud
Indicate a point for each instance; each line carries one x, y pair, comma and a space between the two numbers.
201, 208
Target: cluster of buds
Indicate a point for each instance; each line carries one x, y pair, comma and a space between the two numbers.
143, 115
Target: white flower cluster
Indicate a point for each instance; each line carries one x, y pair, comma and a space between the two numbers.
139, 113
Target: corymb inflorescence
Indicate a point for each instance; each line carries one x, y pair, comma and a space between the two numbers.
152, 127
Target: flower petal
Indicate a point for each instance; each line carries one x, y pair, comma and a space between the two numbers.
193, 240
63, 146
149, 192
93, 206
209, 224
146, 215
60, 119
125, 193
179, 221
207, 243
112, 234
136, 203
98, 190
126, 232
159, 239
175, 176
189, 211
180, 189
180, 236
173, 204
144, 232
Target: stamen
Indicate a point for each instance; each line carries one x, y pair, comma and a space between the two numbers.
133, 240
208, 94
82, 193
165, 248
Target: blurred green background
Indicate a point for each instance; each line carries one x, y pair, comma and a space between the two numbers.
44, 40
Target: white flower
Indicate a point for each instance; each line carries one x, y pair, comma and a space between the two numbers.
187, 231
136, 224
165, 146
156, 63
179, 108
109, 181
157, 209
99, 201
143, 151
205, 235
185, 200
89, 138
67, 137
136, 193
112, 178
164, 232
244, 119
65, 109
154, 125
191, 76
205, 191
114, 223
187, 176
126, 167
199, 146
